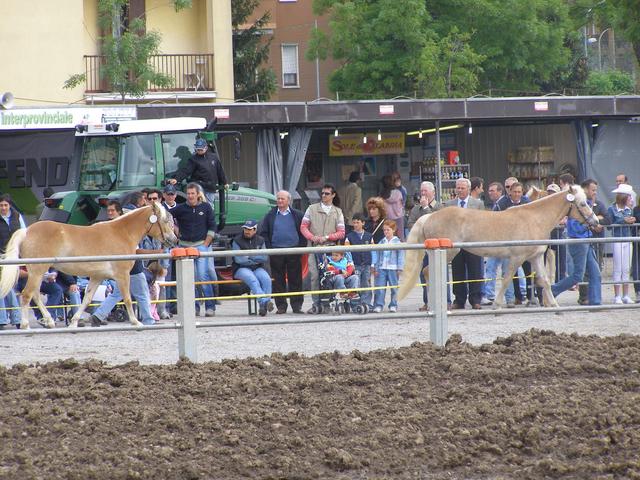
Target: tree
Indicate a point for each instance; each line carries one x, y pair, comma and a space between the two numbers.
625, 17
384, 51
127, 49
250, 53
524, 43
444, 47
450, 67
611, 82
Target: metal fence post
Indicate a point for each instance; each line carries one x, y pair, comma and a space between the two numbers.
438, 326
187, 340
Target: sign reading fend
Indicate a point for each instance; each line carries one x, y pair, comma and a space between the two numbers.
386, 110
221, 112
541, 106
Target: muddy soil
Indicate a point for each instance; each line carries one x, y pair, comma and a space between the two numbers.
534, 405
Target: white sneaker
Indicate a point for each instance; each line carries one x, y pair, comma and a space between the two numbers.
393, 309
377, 310
486, 301
617, 300
626, 299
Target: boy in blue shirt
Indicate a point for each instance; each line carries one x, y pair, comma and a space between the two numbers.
361, 260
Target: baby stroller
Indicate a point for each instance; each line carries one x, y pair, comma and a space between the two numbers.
338, 303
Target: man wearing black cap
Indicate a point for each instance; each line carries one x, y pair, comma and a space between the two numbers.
205, 168
169, 194
250, 269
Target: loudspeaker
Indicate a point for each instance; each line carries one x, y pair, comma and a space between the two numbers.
6, 100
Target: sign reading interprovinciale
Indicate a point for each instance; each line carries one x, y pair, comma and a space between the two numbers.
46, 118
352, 144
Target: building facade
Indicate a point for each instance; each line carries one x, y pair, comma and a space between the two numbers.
44, 43
290, 26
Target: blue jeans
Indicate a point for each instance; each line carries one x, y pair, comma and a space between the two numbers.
55, 296
386, 277
338, 282
258, 281
139, 291
205, 273
364, 274
583, 257
491, 272
13, 315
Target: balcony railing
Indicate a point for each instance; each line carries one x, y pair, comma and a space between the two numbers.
189, 72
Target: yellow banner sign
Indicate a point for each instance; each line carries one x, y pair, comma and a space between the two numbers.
352, 144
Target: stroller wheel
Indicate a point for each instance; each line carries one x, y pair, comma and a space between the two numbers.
359, 309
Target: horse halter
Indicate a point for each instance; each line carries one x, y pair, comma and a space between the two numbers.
151, 224
588, 220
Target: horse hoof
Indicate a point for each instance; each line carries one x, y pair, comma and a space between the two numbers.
24, 326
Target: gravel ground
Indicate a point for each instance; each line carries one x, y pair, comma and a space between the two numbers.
371, 333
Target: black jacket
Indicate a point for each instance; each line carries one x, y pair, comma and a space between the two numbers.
205, 169
266, 227
7, 230
194, 222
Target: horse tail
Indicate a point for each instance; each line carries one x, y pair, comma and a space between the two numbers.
9, 274
413, 258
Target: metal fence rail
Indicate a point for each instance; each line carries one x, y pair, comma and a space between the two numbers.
187, 325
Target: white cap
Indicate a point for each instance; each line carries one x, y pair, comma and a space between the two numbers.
624, 188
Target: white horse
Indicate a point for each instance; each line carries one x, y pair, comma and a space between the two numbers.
531, 221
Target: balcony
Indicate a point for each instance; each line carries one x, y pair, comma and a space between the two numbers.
192, 76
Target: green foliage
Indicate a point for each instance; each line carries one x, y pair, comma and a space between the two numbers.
379, 46
611, 82
250, 54
127, 49
626, 19
446, 47
450, 67
523, 42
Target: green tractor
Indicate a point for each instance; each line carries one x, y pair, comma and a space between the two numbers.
116, 159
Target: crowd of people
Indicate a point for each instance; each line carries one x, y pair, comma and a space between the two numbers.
328, 223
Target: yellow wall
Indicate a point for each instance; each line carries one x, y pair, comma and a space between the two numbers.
181, 33
42, 44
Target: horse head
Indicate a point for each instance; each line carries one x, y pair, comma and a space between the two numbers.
161, 225
580, 209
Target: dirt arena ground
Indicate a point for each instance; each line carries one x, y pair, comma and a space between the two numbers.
532, 405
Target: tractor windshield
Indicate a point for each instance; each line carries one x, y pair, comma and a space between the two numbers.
137, 161
99, 163
177, 149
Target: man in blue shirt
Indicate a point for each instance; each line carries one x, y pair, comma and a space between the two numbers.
280, 228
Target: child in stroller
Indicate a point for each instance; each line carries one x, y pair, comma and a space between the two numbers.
337, 273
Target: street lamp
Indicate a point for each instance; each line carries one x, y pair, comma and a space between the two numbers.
593, 40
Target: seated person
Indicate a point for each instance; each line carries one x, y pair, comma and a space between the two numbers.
48, 287
250, 269
342, 272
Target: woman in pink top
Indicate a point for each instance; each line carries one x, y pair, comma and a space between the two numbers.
393, 204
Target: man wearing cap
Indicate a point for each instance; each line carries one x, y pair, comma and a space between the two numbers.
197, 227
169, 194
250, 269
280, 228
205, 168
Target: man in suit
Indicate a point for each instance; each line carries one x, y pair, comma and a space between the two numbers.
466, 266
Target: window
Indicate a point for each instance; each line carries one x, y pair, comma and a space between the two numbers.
138, 161
290, 66
177, 150
99, 163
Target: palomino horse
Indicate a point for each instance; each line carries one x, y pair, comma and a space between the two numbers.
531, 221
52, 239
